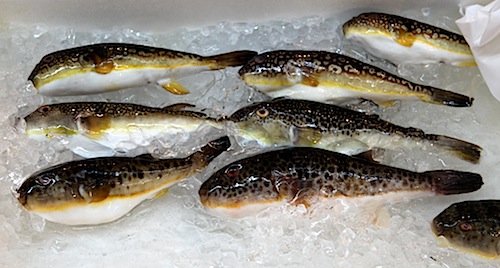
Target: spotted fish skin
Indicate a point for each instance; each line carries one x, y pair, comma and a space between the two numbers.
302, 175
110, 124
105, 67
323, 76
403, 40
472, 226
99, 190
286, 121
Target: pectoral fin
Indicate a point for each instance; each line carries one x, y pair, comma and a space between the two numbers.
104, 67
100, 193
93, 194
95, 125
306, 136
310, 80
405, 38
173, 87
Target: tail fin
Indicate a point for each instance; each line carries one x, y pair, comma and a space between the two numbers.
449, 98
235, 58
448, 182
462, 149
213, 149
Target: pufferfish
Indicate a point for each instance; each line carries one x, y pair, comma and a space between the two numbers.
405, 41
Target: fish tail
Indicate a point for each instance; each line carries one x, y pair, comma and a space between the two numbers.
462, 149
449, 98
235, 58
448, 182
210, 151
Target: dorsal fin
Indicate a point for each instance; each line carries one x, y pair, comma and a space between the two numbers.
366, 155
178, 106
146, 157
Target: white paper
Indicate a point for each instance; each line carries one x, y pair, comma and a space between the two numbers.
481, 28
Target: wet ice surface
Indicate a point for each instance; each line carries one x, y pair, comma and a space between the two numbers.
174, 230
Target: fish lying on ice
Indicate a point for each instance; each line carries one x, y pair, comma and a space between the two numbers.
106, 67
102, 129
285, 121
323, 76
472, 226
100, 190
303, 175
402, 40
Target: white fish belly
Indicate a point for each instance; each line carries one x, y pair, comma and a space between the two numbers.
105, 211
324, 93
419, 53
94, 83
243, 211
365, 141
127, 136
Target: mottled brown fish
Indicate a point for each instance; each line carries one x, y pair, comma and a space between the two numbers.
472, 226
285, 121
100, 190
96, 129
323, 76
402, 40
106, 67
305, 175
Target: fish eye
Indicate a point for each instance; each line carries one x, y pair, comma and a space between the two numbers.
84, 59
259, 59
466, 226
48, 59
262, 112
44, 181
233, 171
44, 109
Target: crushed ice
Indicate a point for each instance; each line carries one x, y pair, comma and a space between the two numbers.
175, 230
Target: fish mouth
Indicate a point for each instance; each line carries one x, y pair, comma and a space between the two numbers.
34, 73
21, 197
437, 227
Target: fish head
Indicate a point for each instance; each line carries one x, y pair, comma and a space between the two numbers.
69, 62
270, 122
370, 23
53, 120
274, 70
43, 190
240, 189
461, 227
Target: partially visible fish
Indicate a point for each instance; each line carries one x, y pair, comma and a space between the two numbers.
100, 190
472, 226
323, 76
402, 40
306, 175
285, 121
101, 128
106, 67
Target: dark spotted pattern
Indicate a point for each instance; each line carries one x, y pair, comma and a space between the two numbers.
114, 54
93, 180
326, 119
106, 109
395, 24
471, 225
284, 64
92, 55
301, 174
322, 117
